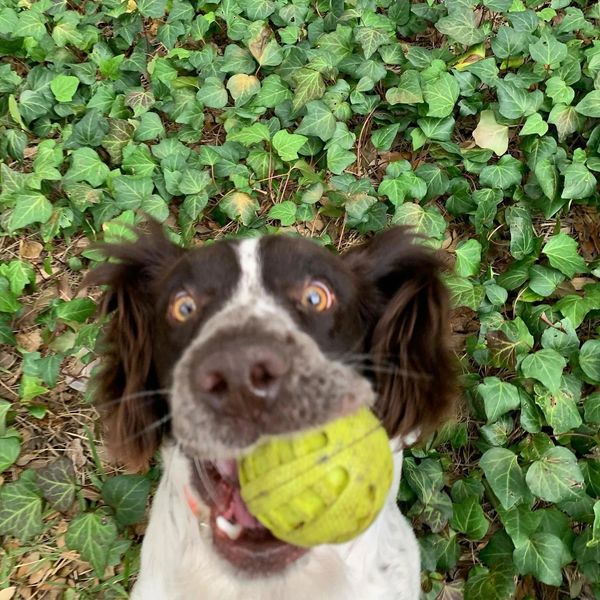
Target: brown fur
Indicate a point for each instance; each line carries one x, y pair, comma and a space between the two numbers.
414, 368
131, 420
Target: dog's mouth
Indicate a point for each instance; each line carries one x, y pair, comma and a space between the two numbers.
237, 536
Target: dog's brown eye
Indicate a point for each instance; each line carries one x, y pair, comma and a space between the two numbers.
182, 307
317, 296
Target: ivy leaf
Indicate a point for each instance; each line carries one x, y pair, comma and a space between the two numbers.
212, 93
548, 51
58, 484
504, 174
92, 535
87, 166
520, 522
541, 556
140, 101
127, 495
285, 212
20, 509
565, 119
193, 181
556, 477
242, 86
149, 128
579, 182
468, 258
130, 191
493, 584
35, 103
522, 234
559, 91
545, 366
239, 206
287, 144
370, 39
339, 159
461, 26
319, 121
547, 177
589, 105
10, 448
560, 411
273, 92
534, 125
489, 134
441, 95
469, 518
515, 102
309, 86
499, 397
437, 129
589, 359
427, 221
592, 408
31, 207
118, 136
561, 251
76, 310
64, 87
574, 307
152, 8
543, 280
383, 138
508, 42
504, 475
408, 90
88, 131
464, 293
249, 136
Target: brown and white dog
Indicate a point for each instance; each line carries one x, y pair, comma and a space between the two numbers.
211, 349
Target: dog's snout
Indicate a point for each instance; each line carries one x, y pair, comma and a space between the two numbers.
241, 378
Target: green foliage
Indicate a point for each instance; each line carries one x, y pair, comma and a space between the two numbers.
476, 123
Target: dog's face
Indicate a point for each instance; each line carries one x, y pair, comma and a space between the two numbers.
258, 337
260, 350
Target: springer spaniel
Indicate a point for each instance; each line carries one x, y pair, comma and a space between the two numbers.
211, 348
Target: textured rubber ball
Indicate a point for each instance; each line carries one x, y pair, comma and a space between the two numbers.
324, 486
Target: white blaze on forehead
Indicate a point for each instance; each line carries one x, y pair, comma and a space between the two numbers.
250, 284
250, 299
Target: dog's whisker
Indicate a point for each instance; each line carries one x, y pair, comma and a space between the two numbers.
205, 478
153, 426
144, 396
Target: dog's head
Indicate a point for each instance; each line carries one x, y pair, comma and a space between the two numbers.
220, 345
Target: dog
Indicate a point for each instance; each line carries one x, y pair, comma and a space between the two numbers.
212, 349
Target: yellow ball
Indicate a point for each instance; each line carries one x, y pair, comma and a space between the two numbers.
323, 486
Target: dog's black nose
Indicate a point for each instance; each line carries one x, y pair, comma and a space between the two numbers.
241, 379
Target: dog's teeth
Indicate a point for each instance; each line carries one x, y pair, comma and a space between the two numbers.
231, 530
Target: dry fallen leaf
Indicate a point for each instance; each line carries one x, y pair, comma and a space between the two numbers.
489, 134
7, 593
30, 250
29, 340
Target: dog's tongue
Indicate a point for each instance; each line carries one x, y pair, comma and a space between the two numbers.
238, 513
236, 510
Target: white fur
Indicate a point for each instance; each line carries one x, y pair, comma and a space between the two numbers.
179, 563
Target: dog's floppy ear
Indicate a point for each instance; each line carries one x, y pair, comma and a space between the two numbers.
123, 387
406, 311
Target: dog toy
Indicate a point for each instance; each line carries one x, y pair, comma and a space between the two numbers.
322, 486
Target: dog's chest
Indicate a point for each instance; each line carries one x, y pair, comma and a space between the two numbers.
178, 560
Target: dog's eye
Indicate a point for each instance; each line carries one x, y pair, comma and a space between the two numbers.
317, 296
183, 306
